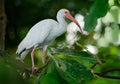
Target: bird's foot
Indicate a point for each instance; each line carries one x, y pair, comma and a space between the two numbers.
34, 70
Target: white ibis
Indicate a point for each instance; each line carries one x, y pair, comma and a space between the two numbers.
43, 33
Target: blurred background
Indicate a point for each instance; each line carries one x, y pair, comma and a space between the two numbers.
103, 42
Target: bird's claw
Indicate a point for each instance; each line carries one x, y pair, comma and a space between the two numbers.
34, 70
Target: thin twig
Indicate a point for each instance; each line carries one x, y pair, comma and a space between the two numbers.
45, 65
107, 76
41, 67
20, 64
111, 70
104, 73
93, 66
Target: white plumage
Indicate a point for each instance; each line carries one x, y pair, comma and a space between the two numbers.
36, 36
42, 33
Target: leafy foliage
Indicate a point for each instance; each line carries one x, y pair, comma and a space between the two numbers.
67, 65
50, 78
9, 71
99, 9
68, 70
75, 54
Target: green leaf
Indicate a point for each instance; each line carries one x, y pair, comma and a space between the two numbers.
73, 72
75, 55
90, 22
50, 78
99, 9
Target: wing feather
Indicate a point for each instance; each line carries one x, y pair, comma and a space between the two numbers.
37, 34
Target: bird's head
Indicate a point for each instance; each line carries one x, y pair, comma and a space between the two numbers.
66, 14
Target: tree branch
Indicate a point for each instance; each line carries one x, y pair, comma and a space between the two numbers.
41, 67
21, 65
104, 73
3, 21
111, 70
93, 66
108, 76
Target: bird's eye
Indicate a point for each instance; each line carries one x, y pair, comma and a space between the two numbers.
65, 12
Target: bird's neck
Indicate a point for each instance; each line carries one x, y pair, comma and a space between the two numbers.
62, 25
61, 20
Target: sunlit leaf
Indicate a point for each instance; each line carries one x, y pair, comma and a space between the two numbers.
74, 54
99, 9
50, 78
73, 71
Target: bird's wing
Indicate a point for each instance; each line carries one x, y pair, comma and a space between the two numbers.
36, 35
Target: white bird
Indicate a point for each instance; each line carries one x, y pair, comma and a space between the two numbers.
43, 33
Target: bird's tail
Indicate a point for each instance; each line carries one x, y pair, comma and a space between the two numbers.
23, 55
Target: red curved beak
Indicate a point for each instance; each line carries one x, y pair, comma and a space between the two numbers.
69, 16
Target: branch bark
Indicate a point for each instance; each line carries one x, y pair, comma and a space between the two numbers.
3, 21
20, 64
108, 76
105, 75
27, 68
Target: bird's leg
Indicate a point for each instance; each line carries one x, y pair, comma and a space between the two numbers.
32, 58
43, 56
